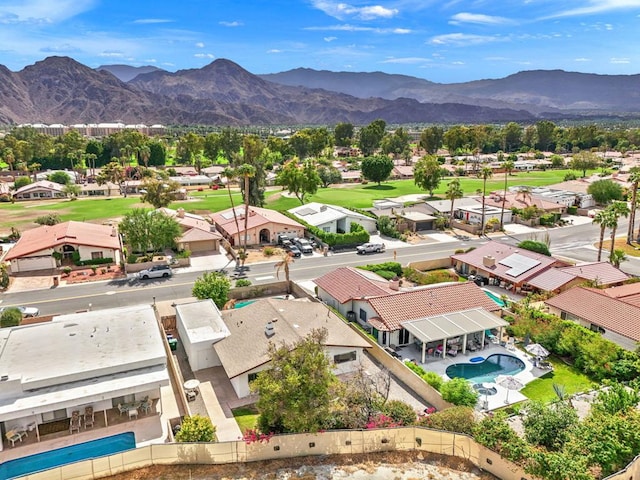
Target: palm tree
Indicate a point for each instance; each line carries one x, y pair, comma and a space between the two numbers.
604, 219
618, 209
230, 174
634, 179
144, 153
453, 191
617, 257
246, 171
525, 194
485, 174
284, 263
508, 168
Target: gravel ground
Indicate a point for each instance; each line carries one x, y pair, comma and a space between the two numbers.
378, 466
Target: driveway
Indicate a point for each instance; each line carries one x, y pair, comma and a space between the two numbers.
35, 281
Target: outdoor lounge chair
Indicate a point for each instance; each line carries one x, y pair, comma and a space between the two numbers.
14, 435
122, 409
89, 417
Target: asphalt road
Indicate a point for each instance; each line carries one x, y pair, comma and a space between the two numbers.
572, 242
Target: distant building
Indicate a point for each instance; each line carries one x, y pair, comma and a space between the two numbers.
333, 218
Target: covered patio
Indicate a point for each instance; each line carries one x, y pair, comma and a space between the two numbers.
451, 333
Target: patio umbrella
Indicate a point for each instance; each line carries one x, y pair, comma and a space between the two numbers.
510, 383
537, 350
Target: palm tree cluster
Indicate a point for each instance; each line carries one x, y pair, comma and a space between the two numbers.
608, 218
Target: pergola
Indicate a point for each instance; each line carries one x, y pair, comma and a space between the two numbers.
454, 325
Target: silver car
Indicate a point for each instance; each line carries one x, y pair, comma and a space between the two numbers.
157, 271
25, 311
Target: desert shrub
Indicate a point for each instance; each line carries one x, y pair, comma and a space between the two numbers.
11, 317
196, 429
132, 258
49, 219
268, 251
243, 282
459, 392
433, 379
573, 210
4, 276
400, 412
495, 433
454, 419
533, 246
394, 267
386, 274
458, 251
387, 227
183, 254
429, 278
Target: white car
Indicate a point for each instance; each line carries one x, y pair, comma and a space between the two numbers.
157, 271
26, 311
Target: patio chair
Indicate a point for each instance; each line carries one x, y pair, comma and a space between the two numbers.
122, 409
74, 423
145, 406
13, 436
89, 417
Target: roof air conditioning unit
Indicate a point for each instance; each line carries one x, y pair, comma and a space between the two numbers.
488, 261
269, 330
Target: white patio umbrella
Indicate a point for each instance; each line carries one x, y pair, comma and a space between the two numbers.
510, 383
537, 350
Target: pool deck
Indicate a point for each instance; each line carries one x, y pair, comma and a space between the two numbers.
499, 400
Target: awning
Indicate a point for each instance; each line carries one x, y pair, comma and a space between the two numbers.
454, 324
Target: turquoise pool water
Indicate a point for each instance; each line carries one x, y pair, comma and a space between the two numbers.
495, 298
488, 370
62, 456
243, 303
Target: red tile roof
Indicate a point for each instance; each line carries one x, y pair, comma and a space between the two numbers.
554, 278
257, 217
348, 283
596, 307
75, 233
625, 293
515, 201
500, 251
428, 302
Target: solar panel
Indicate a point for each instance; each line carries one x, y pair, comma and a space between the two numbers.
518, 264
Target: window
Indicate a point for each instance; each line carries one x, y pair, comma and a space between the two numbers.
403, 337
363, 315
345, 357
95, 255
55, 415
326, 229
596, 328
384, 338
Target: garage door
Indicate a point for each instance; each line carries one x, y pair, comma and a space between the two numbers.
35, 263
203, 246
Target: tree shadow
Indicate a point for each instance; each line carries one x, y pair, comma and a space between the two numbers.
379, 187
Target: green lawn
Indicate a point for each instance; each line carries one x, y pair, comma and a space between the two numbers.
247, 418
572, 380
22, 214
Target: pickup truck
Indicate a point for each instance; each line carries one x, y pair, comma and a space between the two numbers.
370, 248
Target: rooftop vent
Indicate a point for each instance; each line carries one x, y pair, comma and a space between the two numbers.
269, 330
4, 378
488, 261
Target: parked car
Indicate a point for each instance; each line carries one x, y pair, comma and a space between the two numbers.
304, 245
293, 250
157, 271
370, 248
26, 311
283, 238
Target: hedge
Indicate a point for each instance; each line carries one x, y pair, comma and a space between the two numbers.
394, 267
95, 261
357, 236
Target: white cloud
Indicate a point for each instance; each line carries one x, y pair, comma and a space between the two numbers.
464, 39
200, 45
150, 21
111, 54
406, 60
354, 28
274, 50
597, 6
343, 10
204, 55
478, 18
401, 31
581, 59
43, 11
330, 39
151, 60
619, 60
457, 63
231, 24
63, 48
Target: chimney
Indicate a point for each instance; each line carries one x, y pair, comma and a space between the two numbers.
394, 284
488, 261
269, 330
180, 213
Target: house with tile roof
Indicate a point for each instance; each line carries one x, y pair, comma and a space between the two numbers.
505, 265
37, 248
629, 293
41, 190
198, 235
333, 218
522, 200
244, 352
263, 227
598, 311
563, 278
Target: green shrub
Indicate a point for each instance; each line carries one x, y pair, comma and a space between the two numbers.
94, 261
394, 267
387, 227
132, 258
243, 282
49, 219
11, 317
433, 379
400, 412
459, 392
533, 246
454, 419
429, 278
183, 254
386, 274
573, 210
333, 239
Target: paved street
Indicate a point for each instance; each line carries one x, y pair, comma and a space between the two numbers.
574, 242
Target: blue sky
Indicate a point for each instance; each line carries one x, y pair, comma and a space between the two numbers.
443, 41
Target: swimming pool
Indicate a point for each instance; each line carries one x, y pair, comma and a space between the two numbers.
495, 298
62, 456
488, 370
244, 303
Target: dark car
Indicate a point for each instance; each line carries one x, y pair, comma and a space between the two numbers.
304, 245
283, 238
293, 250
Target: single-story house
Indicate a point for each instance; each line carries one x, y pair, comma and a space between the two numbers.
504, 265
596, 310
98, 359
402, 172
562, 278
44, 189
414, 218
38, 248
199, 326
381, 307
244, 353
263, 225
521, 201
351, 176
443, 207
198, 235
94, 190
333, 218
629, 293
192, 180
473, 213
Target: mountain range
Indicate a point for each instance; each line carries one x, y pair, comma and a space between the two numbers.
62, 90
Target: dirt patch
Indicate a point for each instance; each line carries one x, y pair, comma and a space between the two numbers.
382, 466
87, 275
257, 255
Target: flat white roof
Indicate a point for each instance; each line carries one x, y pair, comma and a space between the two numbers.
82, 346
202, 321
